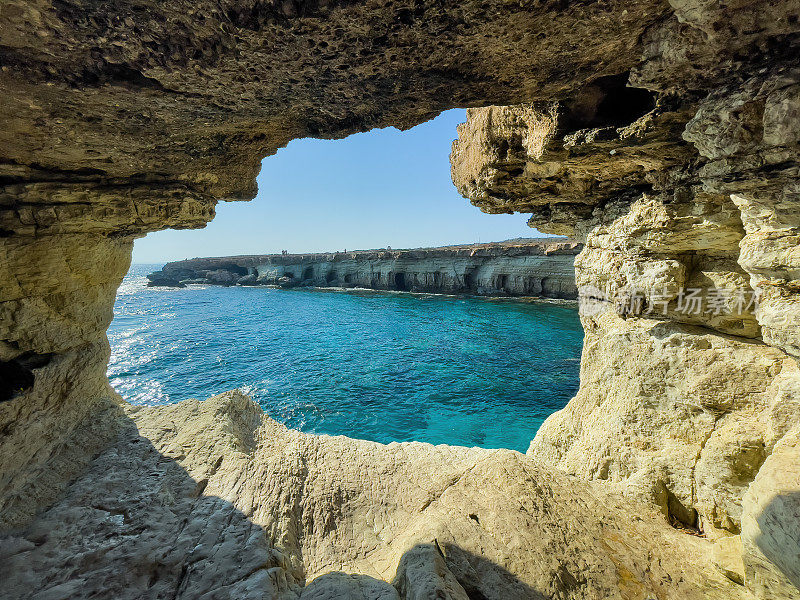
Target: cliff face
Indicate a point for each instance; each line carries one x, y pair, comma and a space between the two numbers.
531, 268
664, 134
689, 208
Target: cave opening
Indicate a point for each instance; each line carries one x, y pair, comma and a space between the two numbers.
681, 517
545, 285
17, 375
606, 102
400, 282
378, 366
15, 379
323, 92
233, 268
470, 281
502, 282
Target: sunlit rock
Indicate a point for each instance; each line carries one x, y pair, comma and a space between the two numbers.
515, 268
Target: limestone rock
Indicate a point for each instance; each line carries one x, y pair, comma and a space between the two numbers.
674, 194
664, 135
678, 424
173, 96
727, 557
542, 267
119, 120
423, 575
214, 499
531, 158
342, 586
749, 139
771, 524
57, 301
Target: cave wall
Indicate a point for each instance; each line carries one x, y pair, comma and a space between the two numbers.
125, 117
689, 190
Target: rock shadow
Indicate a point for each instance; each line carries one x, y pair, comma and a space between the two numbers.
427, 571
136, 524
778, 538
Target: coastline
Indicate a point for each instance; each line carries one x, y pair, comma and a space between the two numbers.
519, 268
372, 291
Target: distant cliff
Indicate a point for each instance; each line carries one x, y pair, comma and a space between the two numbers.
520, 267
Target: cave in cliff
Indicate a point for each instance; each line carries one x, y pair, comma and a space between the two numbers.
664, 136
400, 282
608, 101
17, 375
470, 281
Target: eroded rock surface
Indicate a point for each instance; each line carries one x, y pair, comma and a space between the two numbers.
669, 411
543, 267
214, 499
121, 118
680, 404
771, 524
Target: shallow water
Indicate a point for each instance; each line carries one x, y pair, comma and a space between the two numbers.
373, 365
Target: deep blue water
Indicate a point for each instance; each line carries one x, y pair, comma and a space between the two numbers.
374, 365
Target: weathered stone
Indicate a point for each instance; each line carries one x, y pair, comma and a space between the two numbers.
686, 192
518, 267
727, 557
666, 411
423, 575
771, 524
214, 499
341, 586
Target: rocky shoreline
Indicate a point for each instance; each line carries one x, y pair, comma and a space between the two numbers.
526, 267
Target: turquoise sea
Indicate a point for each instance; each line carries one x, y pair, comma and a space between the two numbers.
374, 365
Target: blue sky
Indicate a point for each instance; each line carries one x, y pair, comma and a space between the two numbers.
370, 190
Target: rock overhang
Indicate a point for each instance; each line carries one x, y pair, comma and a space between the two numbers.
149, 93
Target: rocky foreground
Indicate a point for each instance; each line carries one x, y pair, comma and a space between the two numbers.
524, 267
215, 500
